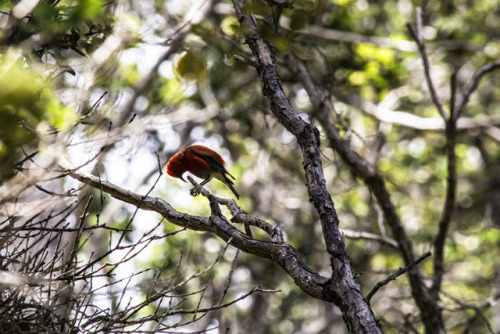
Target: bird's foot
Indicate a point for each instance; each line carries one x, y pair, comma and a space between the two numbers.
194, 192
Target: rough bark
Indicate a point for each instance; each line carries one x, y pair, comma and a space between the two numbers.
342, 289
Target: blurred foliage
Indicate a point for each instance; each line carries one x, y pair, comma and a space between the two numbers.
191, 66
27, 102
31, 39
56, 63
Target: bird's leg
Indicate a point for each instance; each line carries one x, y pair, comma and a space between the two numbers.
194, 192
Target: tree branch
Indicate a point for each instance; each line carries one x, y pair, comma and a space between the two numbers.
284, 255
451, 181
423, 53
473, 83
392, 277
449, 205
409, 120
370, 236
430, 313
303, 131
344, 290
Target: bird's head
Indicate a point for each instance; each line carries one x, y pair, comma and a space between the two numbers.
176, 166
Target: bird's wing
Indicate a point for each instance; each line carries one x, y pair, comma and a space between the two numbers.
211, 157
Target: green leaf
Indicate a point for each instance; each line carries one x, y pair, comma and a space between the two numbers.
191, 66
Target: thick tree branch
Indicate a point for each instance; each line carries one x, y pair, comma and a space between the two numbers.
303, 131
361, 167
344, 290
430, 313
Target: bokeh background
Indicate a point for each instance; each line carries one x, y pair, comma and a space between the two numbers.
118, 87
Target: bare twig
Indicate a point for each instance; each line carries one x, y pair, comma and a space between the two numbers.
478, 309
473, 83
398, 273
418, 37
370, 236
218, 307
245, 60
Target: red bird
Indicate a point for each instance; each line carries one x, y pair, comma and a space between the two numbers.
201, 162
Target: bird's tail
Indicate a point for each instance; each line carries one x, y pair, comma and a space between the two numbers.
234, 191
230, 184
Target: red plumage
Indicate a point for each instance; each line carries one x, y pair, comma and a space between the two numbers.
202, 162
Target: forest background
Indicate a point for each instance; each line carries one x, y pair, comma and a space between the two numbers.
363, 135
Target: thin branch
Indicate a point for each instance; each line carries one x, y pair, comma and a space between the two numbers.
239, 215
221, 306
449, 205
393, 277
453, 97
76, 242
159, 163
245, 60
473, 83
418, 37
409, 120
477, 309
356, 235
